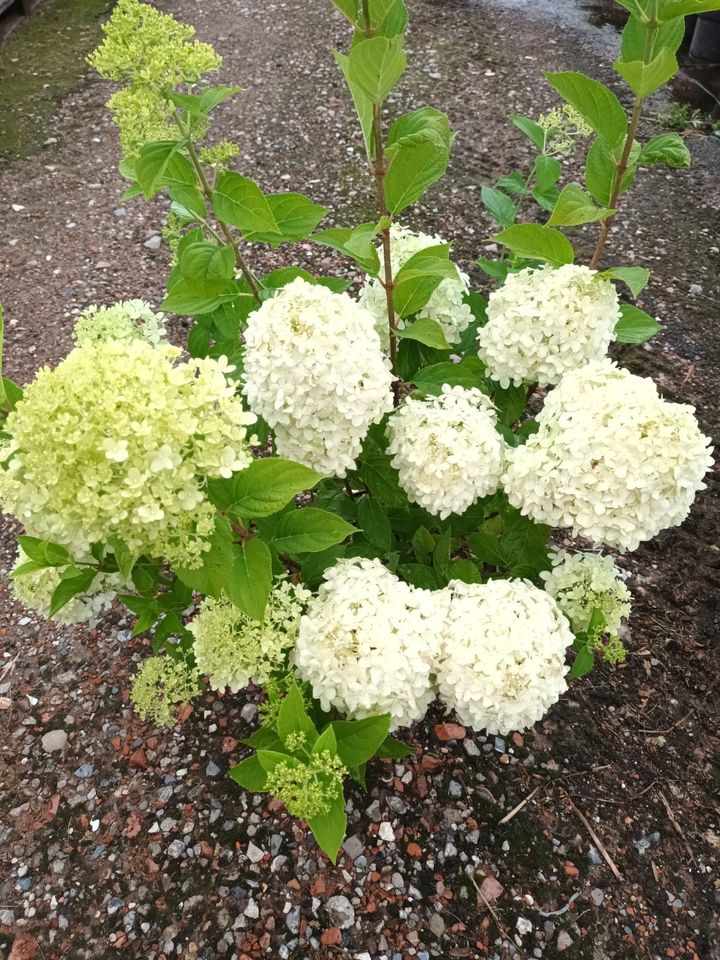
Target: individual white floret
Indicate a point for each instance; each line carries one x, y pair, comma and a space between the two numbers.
447, 303
611, 459
545, 322
315, 371
503, 664
447, 449
368, 643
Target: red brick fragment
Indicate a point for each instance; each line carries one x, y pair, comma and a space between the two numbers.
414, 850
449, 731
331, 937
138, 759
570, 869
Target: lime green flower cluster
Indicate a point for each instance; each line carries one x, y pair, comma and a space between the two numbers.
610, 648
307, 790
151, 53
583, 582
162, 684
117, 441
34, 590
276, 688
563, 126
126, 320
219, 154
235, 650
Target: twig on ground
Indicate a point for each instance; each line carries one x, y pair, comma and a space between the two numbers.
494, 914
508, 816
679, 830
595, 838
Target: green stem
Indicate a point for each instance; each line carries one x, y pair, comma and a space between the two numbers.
226, 232
379, 171
620, 171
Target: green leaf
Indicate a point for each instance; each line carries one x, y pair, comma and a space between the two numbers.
670, 9
375, 66
425, 331
645, 78
263, 488
329, 828
356, 244
465, 570
598, 105
423, 544
389, 18
533, 130
547, 172
249, 774
419, 277
668, 148
419, 575
497, 269
248, 581
381, 478
326, 742
266, 738
637, 36
293, 716
634, 325
202, 280
124, 557
358, 740
296, 217
216, 563
161, 164
600, 172
70, 587
583, 663
432, 379
574, 207
349, 8
635, 278
45, 552
525, 543
488, 549
269, 759
241, 202
419, 151
212, 97
309, 531
188, 202
392, 749
363, 104
535, 242
374, 523
499, 205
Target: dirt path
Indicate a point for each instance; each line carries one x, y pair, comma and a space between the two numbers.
131, 843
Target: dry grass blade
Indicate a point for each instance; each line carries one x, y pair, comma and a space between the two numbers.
679, 830
515, 810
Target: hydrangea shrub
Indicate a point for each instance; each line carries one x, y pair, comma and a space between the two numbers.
343, 496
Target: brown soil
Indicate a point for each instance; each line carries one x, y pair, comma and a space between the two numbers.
124, 844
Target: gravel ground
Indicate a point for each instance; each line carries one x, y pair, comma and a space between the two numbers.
119, 840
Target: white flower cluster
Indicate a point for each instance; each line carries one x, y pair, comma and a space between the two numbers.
611, 459
583, 582
446, 305
367, 644
446, 449
370, 643
118, 440
235, 650
35, 590
127, 320
503, 664
315, 371
543, 323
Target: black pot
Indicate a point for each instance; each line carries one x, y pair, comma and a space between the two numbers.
706, 38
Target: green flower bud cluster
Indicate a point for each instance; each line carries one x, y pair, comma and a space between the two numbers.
219, 154
151, 53
162, 684
127, 320
307, 790
610, 648
563, 126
